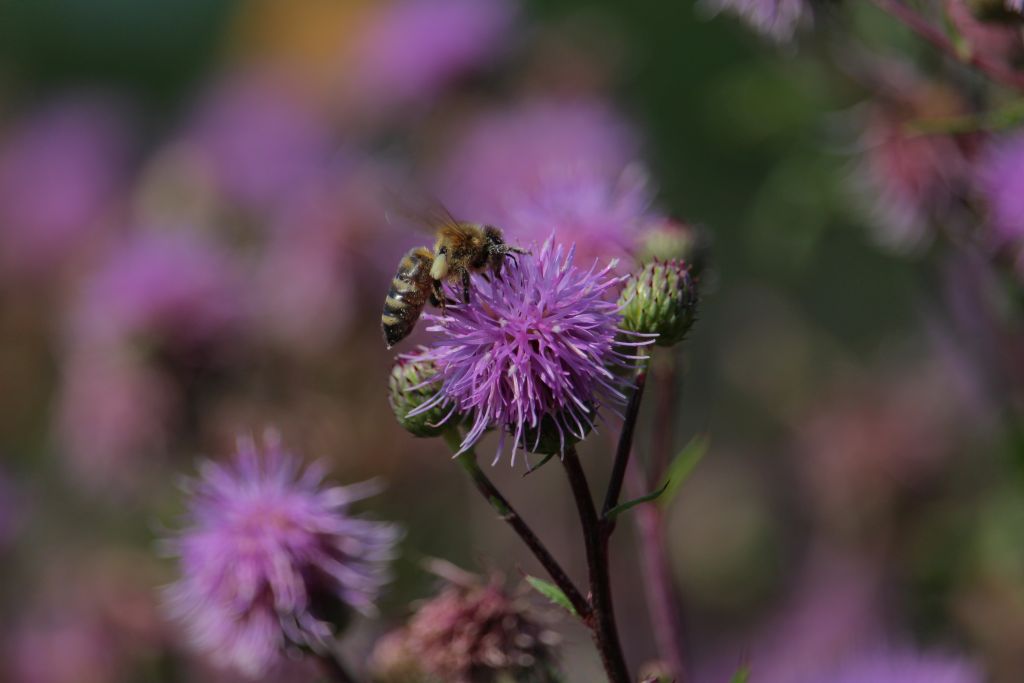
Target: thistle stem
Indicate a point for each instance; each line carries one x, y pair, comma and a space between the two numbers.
595, 538
505, 510
663, 601
994, 69
664, 604
335, 668
625, 447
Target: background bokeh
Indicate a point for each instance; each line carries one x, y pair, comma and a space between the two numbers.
202, 204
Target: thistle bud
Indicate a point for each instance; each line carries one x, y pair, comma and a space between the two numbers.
661, 299
409, 387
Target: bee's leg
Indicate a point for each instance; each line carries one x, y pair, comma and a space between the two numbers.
437, 295
465, 286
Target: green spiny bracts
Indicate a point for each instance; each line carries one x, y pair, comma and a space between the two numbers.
661, 299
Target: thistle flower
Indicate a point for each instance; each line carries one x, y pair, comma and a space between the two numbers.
473, 633
272, 556
535, 343
661, 299
774, 19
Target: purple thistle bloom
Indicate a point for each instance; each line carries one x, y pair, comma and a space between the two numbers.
774, 19
270, 549
537, 342
1001, 183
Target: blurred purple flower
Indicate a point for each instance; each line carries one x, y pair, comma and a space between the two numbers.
269, 552
1000, 178
170, 288
411, 49
534, 343
262, 137
60, 169
567, 167
774, 19
904, 667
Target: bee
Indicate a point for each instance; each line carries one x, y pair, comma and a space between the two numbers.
461, 248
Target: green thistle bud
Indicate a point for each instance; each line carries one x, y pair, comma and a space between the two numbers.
409, 387
661, 299
672, 239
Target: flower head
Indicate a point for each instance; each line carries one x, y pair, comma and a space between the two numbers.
472, 633
270, 555
535, 343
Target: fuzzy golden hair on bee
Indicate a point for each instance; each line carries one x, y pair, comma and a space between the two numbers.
460, 249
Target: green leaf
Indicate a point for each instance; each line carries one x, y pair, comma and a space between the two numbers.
683, 464
622, 507
742, 675
552, 593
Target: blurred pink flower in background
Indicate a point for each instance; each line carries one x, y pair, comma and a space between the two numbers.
94, 624
112, 417
567, 167
909, 180
868, 440
410, 49
164, 288
61, 167
160, 313
997, 39
261, 135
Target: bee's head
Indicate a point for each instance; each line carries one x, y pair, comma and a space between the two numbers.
495, 240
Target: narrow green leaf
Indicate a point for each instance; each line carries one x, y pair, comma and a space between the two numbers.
742, 675
683, 465
530, 469
551, 592
622, 507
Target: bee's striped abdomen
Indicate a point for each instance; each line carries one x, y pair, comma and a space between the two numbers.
410, 289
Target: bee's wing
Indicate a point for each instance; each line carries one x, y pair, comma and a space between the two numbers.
420, 213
